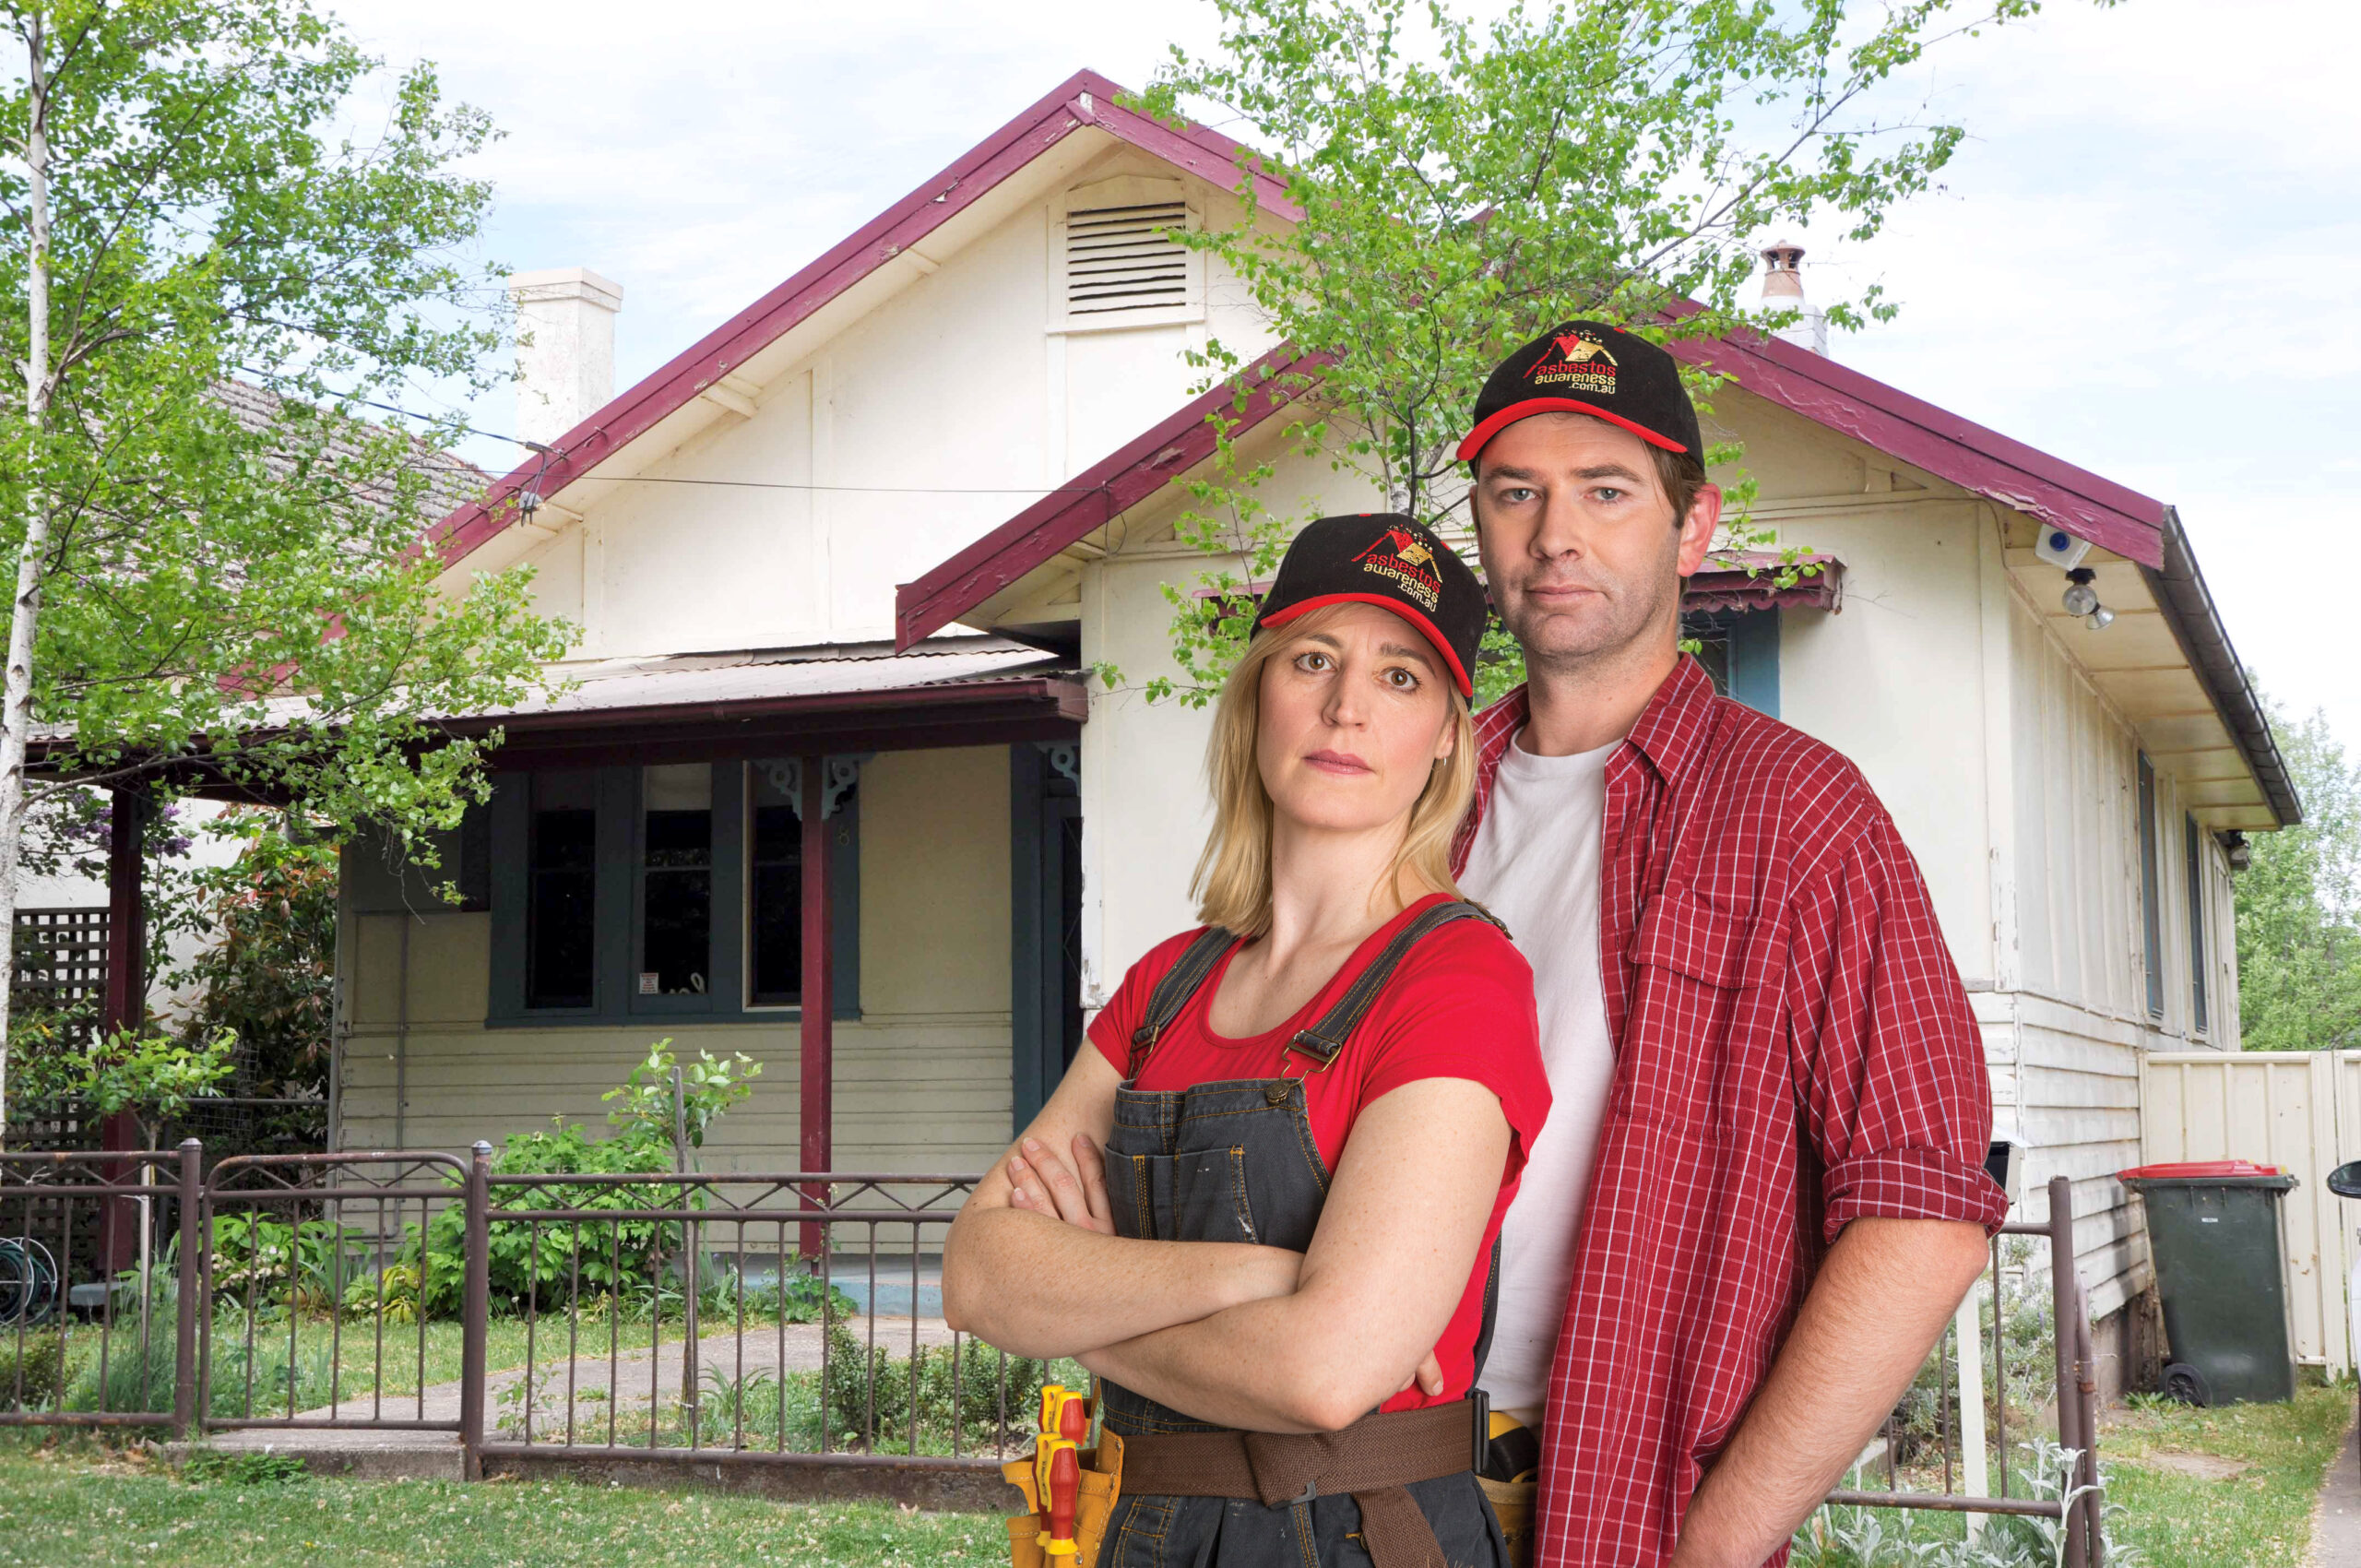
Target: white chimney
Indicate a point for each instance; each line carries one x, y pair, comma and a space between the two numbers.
1783, 290
565, 348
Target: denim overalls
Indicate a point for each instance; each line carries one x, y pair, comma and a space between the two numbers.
1235, 1161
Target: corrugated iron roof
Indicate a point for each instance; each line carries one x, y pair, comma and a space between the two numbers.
1748, 579
703, 679
708, 679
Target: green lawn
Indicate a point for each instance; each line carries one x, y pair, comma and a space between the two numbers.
2261, 1518
69, 1510
2186, 1489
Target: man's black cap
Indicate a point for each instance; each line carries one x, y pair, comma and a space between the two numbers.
1588, 367
1395, 562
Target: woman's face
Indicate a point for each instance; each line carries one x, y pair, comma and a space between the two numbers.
1355, 713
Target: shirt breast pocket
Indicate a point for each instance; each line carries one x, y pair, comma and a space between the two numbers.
1689, 980
1198, 1195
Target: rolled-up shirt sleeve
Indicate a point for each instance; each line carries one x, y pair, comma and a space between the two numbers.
1887, 1058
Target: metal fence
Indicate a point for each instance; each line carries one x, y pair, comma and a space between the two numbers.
608, 1319
627, 1323
1957, 1447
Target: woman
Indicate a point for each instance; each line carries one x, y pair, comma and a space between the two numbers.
1313, 1113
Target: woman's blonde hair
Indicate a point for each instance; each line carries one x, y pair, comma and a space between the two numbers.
1232, 884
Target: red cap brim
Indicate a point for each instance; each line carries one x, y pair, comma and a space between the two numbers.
1532, 406
1408, 613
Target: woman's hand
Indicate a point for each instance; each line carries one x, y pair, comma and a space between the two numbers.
1039, 1181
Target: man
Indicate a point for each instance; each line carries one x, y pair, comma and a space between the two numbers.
1759, 1194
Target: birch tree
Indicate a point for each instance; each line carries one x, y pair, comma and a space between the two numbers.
218, 287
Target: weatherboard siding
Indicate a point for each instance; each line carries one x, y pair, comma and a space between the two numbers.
921, 1078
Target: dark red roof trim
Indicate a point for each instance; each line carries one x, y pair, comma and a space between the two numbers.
1867, 409
1085, 98
1941, 442
1091, 499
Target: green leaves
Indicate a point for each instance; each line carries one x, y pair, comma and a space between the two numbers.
230, 583
2299, 904
645, 1104
150, 1075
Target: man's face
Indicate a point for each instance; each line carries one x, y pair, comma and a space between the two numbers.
1580, 549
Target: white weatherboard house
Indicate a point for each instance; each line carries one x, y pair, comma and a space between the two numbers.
837, 565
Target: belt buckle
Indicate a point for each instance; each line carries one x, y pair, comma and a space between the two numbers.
1311, 1490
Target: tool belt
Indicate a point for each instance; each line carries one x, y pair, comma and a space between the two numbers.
1372, 1460
1509, 1477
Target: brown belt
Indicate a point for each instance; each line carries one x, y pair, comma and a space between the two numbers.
1371, 1460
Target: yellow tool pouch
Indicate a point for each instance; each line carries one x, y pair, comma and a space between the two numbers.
1513, 1500
1102, 1480
1513, 1505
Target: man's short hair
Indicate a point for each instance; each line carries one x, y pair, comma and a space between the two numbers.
1680, 475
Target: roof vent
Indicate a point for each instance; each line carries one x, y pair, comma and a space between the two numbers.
1122, 258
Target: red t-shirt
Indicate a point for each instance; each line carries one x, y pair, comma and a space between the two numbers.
1460, 1005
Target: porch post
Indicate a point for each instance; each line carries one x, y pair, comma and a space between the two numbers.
123, 1005
818, 1001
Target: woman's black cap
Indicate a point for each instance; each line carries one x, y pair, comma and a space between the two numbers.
1391, 561
1588, 367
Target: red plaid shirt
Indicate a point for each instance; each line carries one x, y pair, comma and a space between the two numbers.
1792, 1050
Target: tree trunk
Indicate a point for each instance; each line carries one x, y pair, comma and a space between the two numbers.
16, 695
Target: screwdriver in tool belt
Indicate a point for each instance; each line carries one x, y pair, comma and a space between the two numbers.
1065, 1421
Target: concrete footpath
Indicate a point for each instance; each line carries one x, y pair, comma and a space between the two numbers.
2336, 1522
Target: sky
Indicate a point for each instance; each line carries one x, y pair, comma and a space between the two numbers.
2145, 259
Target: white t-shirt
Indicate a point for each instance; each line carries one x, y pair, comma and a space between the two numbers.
1534, 863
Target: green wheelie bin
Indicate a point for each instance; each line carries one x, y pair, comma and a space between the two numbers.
2213, 1232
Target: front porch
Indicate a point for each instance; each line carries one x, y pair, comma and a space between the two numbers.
859, 868
845, 865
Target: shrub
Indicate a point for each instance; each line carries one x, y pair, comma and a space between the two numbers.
973, 1407
279, 1263
1847, 1536
32, 1369
541, 1264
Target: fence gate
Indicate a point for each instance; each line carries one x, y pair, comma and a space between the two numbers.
315, 1321
2300, 1110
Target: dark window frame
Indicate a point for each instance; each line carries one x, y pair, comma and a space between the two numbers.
2200, 1008
1748, 641
1045, 892
617, 899
2151, 901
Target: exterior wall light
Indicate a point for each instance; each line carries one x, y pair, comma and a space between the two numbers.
2099, 619
2238, 852
2080, 598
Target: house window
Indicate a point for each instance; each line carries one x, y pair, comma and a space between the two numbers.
2198, 1020
775, 892
619, 894
1740, 650
560, 890
676, 880
2152, 914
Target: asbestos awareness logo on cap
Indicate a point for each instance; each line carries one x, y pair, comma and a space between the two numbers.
1589, 367
1391, 561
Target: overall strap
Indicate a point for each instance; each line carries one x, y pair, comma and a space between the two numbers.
1173, 991
1324, 1040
